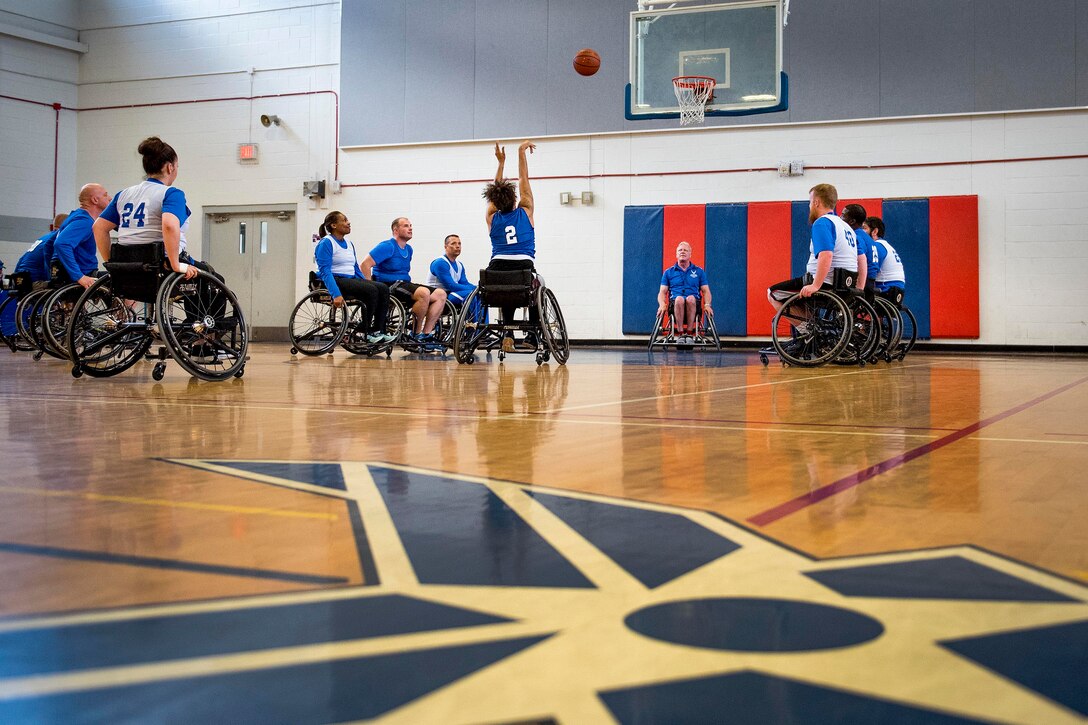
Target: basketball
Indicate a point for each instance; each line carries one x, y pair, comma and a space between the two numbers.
586, 62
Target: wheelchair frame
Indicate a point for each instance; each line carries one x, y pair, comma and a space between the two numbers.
664, 333
194, 319
328, 326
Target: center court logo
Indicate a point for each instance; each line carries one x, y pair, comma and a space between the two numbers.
490, 601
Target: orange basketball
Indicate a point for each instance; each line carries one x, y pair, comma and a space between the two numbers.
586, 62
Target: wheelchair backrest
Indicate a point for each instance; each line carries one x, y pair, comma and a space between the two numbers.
136, 270
21, 283
315, 282
506, 287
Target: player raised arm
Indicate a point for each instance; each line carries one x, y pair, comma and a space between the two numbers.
524, 189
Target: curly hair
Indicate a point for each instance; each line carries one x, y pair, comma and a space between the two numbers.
502, 194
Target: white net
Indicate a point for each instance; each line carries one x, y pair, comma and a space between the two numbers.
692, 93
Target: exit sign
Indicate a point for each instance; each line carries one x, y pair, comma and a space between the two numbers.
247, 153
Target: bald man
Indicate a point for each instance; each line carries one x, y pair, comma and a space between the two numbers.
74, 251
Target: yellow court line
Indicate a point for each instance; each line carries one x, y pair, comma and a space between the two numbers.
165, 503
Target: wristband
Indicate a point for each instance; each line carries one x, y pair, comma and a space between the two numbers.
182, 268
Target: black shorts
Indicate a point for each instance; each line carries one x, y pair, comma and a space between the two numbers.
405, 291
782, 291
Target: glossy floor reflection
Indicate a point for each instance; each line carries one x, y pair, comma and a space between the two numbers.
627, 538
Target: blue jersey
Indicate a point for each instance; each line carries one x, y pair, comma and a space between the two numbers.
684, 283
74, 247
512, 235
866, 247
451, 276
391, 263
37, 259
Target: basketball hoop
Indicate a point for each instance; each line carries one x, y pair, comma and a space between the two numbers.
692, 93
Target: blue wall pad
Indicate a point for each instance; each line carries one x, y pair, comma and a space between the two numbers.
907, 222
643, 229
727, 266
457, 532
801, 238
678, 546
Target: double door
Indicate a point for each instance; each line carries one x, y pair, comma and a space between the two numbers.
255, 252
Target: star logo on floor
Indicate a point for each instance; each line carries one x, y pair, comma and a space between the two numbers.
490, 601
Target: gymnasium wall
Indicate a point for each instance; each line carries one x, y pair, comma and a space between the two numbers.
1032, 215
480, 69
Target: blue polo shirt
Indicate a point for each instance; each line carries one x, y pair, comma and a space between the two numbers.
391, 263
683, 283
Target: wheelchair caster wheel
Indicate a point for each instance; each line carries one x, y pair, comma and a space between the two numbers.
294, 351
763, 359
502, 356
470, 359
539, 359
159, 372
241, 372
77, 372
38, 355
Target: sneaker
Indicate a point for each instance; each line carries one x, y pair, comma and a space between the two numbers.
375, 338
508, 342
386, 337
202, 353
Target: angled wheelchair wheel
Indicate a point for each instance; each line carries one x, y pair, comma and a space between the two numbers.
470, 329
710, 332
658, 335
354, 339
864, 333
553, 326
104, 338
447, 324
910, 332
812, 331
56, 316
202, 326
890, 328
316, 327
28, 316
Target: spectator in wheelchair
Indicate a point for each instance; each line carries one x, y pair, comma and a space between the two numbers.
74, 257
684, 287
832, 246
37, 260
338, 266
449, 274
854, 216
889, 278
509, 219
391, 262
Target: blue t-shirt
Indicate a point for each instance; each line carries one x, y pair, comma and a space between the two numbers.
36, 260
391, 263
512, 235
683, 283
74, 247
866, 247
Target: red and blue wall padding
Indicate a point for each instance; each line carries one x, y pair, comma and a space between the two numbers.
746, 247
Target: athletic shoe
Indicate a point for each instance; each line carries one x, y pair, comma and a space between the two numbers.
203, 353
375, 338
386, 337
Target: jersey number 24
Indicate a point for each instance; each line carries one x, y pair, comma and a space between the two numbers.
127, 213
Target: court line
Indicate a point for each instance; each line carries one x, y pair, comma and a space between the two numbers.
772, 423
87, 495
792, 506
175, 564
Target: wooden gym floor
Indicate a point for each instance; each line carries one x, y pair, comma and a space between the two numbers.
687, 537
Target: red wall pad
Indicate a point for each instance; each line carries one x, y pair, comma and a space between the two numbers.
769, 238
872, 206
953, 266
684, 223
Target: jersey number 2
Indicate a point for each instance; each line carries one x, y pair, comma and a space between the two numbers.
511, 235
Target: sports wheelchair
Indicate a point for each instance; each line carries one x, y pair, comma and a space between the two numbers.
17, 285
899, 328
316, 327
545, 338
443, 332
664, 334
138, 301
833, 325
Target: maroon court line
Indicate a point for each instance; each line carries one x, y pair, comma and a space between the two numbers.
676, 419
856, 479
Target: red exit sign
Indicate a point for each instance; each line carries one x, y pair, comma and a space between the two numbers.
247, 153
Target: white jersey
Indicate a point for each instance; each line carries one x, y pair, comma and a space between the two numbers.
845, 253
343, 259
140, 210
891, 269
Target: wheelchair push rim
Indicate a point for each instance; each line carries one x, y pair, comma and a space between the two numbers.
202, 326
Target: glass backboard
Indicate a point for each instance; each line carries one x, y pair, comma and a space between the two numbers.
738, 44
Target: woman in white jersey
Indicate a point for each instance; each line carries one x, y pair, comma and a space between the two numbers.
151, 211
338, 267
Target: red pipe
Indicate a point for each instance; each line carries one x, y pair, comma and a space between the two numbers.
56, 154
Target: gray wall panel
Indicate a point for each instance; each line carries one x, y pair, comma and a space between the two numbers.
436, 70
1024, 55
833, 72
21, 229
372, 71
440, 74
511, 68
576, 103
925, 66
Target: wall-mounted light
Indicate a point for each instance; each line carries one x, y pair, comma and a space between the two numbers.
269, 120
585, 198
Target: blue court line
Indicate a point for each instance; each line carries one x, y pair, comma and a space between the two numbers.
156, 563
